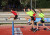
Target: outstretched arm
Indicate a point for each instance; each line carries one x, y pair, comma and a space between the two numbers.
24, 11
33, 10
8, 12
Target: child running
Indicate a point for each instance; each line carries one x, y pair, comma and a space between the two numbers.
30, 13
42, 20
34, 15
15, 16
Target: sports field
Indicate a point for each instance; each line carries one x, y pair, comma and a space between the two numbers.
6, 29
22, 17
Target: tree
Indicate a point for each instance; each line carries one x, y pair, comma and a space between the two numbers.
43, 4
27, 3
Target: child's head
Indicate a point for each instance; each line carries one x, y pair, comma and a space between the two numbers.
12, 9
28, 9
40, 11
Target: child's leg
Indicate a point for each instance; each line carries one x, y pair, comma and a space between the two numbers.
32, 23
37, 24
27, 18
11, 17
45, 26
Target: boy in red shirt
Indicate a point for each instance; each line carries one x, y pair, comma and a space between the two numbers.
15, 16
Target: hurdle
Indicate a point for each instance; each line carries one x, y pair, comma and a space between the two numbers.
14, 30
12, 27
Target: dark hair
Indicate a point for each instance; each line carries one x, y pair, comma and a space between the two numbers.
13, 9
34, 10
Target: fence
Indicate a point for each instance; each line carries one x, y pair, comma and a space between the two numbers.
21, 15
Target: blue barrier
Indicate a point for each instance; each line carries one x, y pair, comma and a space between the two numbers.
46, 19
12, 27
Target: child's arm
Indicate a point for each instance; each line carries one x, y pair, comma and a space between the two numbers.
8, 12
32, 10
17, 13
24, 11
44, 15
37, 15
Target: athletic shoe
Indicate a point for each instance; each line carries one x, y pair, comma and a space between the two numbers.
37, 29
18, 18
45, 28
48, 30
31, 29
29, 23
34, 30
6, 19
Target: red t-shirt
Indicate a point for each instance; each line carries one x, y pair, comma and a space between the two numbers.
34, 17
14, 12
34, 14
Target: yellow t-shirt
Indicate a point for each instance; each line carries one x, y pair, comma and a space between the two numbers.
30, 13
41, 15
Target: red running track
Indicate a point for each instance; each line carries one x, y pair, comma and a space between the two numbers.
7, 30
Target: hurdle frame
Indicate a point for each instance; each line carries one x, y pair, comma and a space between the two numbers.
12, 27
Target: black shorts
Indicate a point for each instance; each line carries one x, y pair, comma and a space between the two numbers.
42, 21
32, 18
16, 16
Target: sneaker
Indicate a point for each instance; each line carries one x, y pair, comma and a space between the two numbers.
34, 30
31, 29
18, 18
6, 19
29, 23
37, 29
45, 28
48, 30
